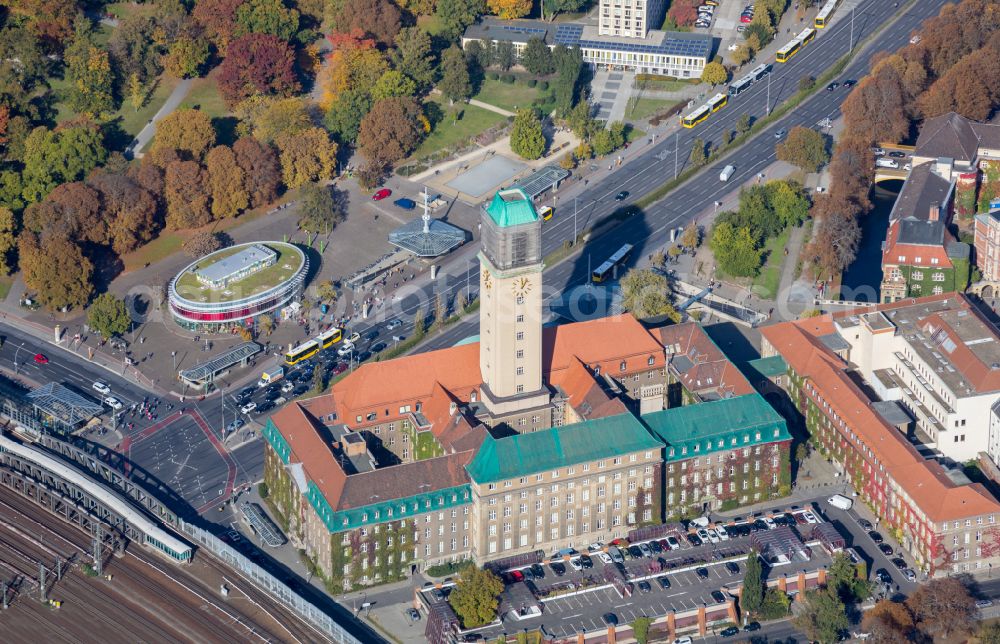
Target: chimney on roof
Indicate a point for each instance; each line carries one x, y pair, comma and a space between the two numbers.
935, 213
452, 407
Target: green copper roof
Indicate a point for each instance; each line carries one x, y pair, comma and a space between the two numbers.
511, 207
720, 424
769, 367
592, 440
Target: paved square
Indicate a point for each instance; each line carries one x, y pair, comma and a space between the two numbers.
486, 176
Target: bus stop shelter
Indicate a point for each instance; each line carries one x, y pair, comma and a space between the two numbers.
203, 375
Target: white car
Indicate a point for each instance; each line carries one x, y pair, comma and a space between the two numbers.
703, 534
113, 403
914, 40
101, 388
249, 407
810, 517
575, 564
769, 522
683, 640
594, 547
346, 348
616, 554
721, 531
603, 556
288, 386
713, 536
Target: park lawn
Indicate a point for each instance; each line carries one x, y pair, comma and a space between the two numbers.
132, 120
766, 284
508, 96
663, 84
431, 24
160, 248
634, 134
643, 108
205, 96
59, 87
5, 284
284, 267
445, 134
121, 9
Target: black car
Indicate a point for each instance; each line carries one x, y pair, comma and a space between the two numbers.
664, 582
883, 576
655, 546
719, 597
694, 539
610, 619
586, 562
751, 627
644, 587
876, 537
635, 552
270, 394
538, 571
702, 572
621, 196
364, 355
899, 563
300, 389
783, 519
850, 82
896, 154
886, 549
558, 568
832, 86
246, 393
733, 568
378, 347
729, 632
371, 335
266, 405
865, 524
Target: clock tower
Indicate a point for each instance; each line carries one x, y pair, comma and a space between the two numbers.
510, 313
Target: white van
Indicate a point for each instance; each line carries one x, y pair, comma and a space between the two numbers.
727, 172
886, 163
701, 522
840, 501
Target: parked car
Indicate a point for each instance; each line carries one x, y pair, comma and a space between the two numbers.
702, 572
610, 619
413, 614
586, 562
910, 575
883, 576
897, 154
616, 554
865, 524
655, 546
635, 552
886, 549
575, 564
733, 568
537, 571
719, 598
381, 194
644, 587
288, 386
729, 632
513, 576
694, 539
664, 582
810, 517
984, 603
673, 543
405, 204
751, 627
874, 536
899, 563
644, 549
558, 568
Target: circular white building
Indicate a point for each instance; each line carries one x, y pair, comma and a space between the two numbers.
233, 286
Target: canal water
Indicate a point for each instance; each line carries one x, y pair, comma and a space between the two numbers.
861, 279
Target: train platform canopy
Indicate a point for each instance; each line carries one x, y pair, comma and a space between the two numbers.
63, 404
262, 524
545, 178
202, 375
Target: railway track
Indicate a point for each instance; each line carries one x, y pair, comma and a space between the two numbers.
205, 618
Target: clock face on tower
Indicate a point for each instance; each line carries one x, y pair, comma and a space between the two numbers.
487, 279
521, 285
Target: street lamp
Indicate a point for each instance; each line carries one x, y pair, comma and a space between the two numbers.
16, 351
173, 355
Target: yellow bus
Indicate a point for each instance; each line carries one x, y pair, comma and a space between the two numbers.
823, 17
696, 117
602, 272
329, 338
717, 102
302, 352
807, 36
546, 213
788, 51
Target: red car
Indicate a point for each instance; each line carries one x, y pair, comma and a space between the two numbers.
746, 19
381, 194
339, 369
40, 359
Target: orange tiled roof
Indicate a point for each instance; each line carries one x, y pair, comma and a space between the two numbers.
302, 433
923, 481
710, 364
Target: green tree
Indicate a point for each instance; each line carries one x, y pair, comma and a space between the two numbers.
526, 137
52, 157
537, 57
714, 74
319, 209
456, 15
319, 381
553, 7
414, 55
803, 147
419, 323
691, 237
989, 633
136, 92
735, 250
645, 293
391, 84
824, 617
108, 315
8, 240
789, 202
267, 17
743, 123
55, 270
226, 183
476, 596
568, 64
806, 83
752, 596
640, 629
326, 291
344, 117
308, 156
189, 131
455, 83
88, 69
698, 155
505, 55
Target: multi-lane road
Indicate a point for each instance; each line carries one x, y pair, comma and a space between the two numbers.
650, 229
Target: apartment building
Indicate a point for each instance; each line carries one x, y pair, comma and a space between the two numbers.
946, 523
528, 439
629, 18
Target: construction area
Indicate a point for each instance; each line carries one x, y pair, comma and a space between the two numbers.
55, 589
